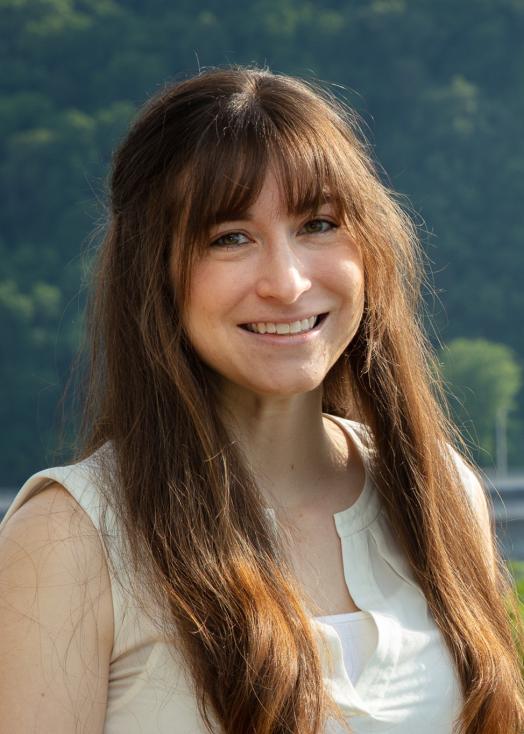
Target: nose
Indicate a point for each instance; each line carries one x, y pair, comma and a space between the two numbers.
282, 274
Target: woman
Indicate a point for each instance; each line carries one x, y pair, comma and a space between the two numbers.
268, 530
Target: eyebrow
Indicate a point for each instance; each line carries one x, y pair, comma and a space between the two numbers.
247, 216
232, 216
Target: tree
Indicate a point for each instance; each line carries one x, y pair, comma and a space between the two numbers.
483, 379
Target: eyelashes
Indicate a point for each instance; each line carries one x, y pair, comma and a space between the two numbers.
319, 220
233, 240
229, 240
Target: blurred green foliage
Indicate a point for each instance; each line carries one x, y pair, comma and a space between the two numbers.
484, 379
439, 86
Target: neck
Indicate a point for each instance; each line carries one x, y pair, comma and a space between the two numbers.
287, 443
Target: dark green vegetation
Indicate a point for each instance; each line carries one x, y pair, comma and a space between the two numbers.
439, 85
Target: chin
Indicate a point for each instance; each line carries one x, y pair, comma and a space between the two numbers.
285, 388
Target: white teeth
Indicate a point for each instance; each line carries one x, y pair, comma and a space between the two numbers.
295, 327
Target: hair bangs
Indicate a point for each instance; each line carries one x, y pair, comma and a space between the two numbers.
229, 170
308, 176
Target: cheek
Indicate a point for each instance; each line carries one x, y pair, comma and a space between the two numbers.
348, 281
197, 307
360, 288
210, 301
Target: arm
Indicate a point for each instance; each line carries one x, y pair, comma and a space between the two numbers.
56, 614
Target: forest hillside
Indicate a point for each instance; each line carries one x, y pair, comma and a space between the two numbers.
440, 90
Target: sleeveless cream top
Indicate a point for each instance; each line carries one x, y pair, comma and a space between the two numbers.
388, 669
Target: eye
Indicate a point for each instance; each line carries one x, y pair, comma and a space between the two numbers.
231, 239
318, 226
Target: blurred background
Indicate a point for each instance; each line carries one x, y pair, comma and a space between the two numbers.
440, 90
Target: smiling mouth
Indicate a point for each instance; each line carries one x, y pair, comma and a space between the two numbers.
287, 328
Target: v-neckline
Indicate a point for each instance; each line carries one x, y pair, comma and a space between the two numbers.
364, 510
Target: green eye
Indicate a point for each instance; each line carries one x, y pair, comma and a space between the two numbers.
232, 239
318, 226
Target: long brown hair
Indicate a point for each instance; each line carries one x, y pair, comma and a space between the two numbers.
194, 520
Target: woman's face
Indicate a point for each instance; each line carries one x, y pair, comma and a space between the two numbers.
276, 298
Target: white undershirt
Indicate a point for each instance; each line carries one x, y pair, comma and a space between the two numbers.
357, 632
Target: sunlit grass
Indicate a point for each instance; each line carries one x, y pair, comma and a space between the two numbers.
517, 571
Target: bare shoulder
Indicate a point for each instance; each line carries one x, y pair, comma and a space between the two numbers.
55, 505
57, 617
51, 532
